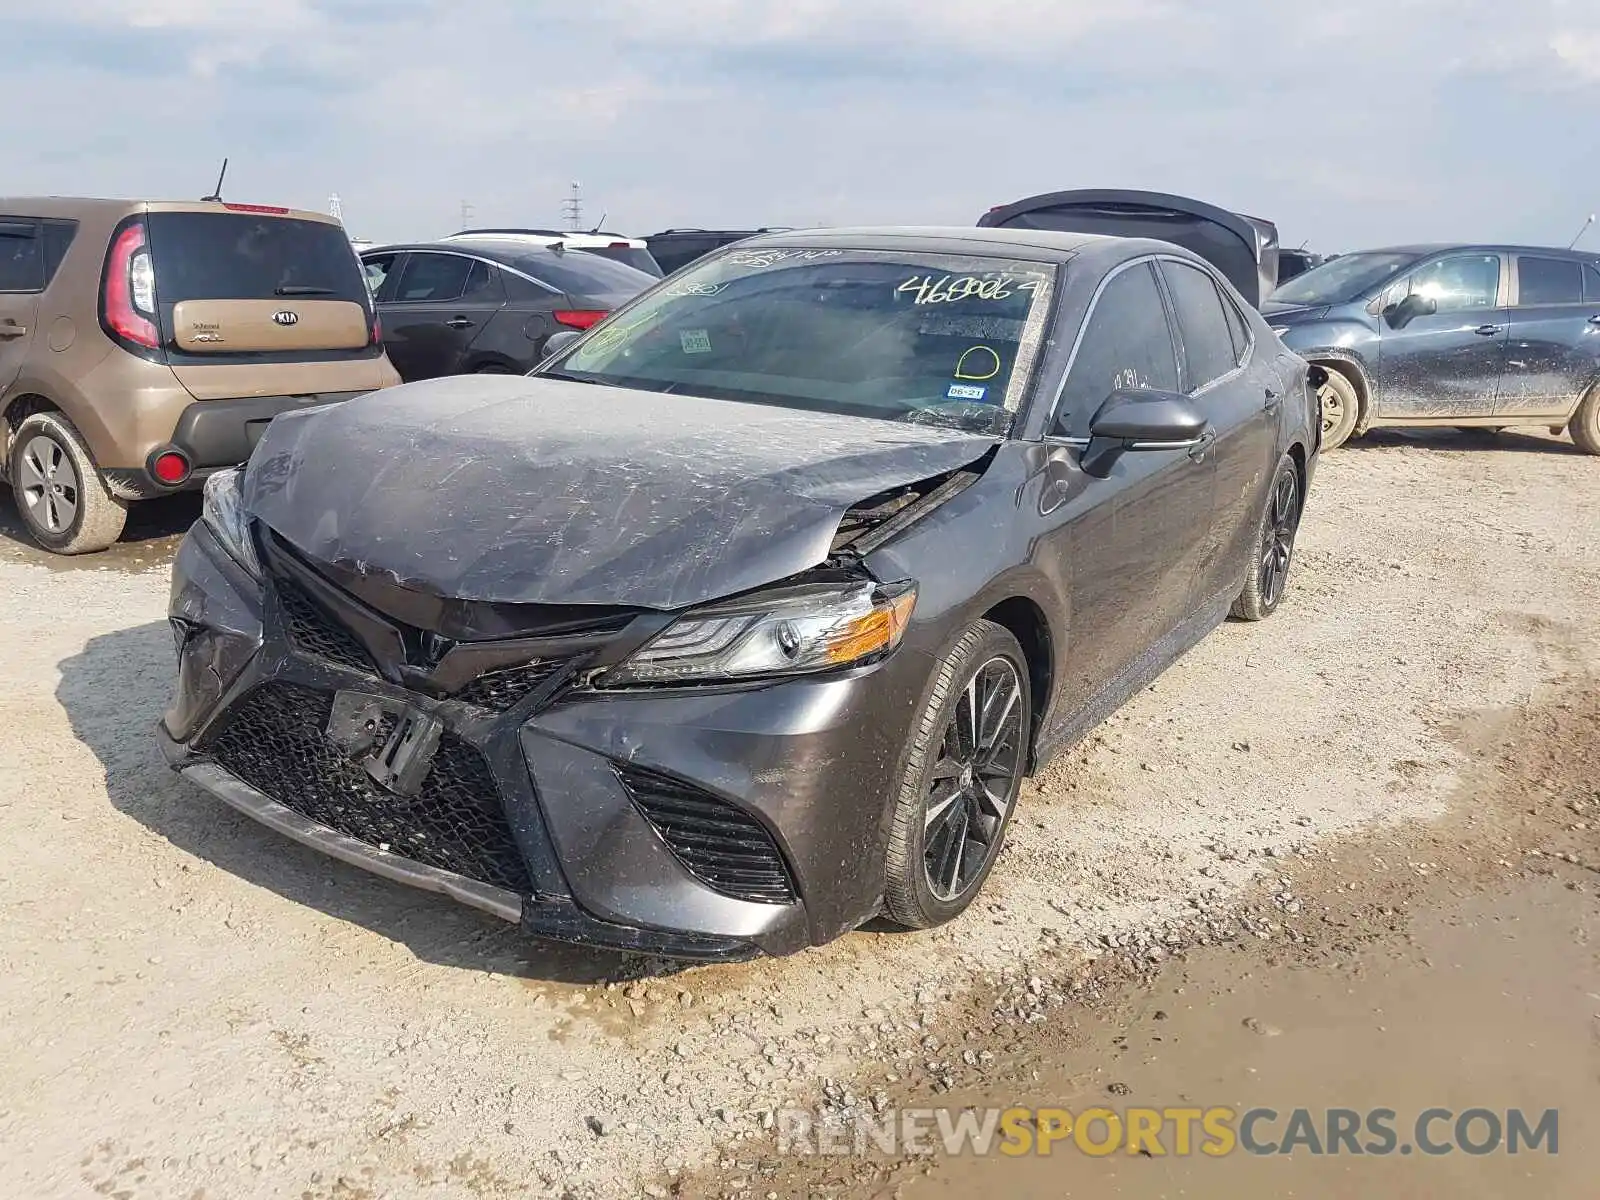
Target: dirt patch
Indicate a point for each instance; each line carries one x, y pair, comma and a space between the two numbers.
1449, 964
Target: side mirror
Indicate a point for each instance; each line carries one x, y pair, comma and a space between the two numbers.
1413, 306
1141, 419
558, 342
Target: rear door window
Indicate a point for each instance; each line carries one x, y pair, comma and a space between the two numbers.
58, 238
1548, 281
376, 268
232, 255
483, 285
1591, 284
21, 256
1208, 351
1126, 344
430, 278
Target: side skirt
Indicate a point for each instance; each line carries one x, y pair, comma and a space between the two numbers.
1134, 678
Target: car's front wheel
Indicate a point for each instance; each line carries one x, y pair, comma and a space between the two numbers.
1340, 408
59, 493
1276, 531
968, 755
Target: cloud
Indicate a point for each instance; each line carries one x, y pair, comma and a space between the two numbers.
1349, 122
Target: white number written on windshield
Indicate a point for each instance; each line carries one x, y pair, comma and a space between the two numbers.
948, 289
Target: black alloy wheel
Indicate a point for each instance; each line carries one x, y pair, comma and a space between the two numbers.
968, 755
973, 783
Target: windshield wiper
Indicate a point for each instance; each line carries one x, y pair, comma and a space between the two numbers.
303, 289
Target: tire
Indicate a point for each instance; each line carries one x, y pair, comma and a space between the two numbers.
1339, 405
59, 493
1585, 425
1273, 555
936, 863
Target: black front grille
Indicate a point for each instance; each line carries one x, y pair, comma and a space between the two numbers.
723, 846
315, 632
273, 740
503, 690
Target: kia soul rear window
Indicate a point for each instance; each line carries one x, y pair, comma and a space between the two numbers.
239, 256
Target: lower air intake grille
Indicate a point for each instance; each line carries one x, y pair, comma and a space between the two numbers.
273, 740
501, 691
723, 846
313, 631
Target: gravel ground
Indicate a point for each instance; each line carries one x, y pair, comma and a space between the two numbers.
191, 1006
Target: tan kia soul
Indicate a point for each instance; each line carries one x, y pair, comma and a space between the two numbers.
143, 346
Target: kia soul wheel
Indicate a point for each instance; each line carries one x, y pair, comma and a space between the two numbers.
58, 491
969, 753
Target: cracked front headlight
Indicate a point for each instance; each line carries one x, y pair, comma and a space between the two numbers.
223, 513
791, 631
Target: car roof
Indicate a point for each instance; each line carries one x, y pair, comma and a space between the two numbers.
587, 238
1045, 245
1423, 249
74, 208
518, 254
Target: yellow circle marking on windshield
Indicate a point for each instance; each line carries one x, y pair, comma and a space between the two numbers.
966, 371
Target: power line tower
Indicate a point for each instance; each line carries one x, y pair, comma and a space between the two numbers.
466, 214
336, 208
572, 208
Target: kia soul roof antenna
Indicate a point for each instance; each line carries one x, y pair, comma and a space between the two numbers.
216, 195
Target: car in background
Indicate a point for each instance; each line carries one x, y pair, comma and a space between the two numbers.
1292, 263
631, 252
742, 618
144, 345
677, 248
1475, 336
1244, 249
487, 305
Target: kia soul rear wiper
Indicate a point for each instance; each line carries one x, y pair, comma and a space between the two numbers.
302, 289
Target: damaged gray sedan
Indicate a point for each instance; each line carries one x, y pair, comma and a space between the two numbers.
742, 619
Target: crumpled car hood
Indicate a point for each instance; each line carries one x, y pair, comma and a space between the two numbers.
526, 490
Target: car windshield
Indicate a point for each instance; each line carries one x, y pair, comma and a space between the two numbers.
903, 336
1343, 279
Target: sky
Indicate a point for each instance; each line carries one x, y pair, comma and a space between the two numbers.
1350, 123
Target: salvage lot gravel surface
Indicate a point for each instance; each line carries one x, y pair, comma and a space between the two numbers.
192, 1006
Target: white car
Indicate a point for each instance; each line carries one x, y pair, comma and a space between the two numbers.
632, 251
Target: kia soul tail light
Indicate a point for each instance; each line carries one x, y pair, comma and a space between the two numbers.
129, 296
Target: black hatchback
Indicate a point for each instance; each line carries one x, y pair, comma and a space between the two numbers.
487, 305
741, 620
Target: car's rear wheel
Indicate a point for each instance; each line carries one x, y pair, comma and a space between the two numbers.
1585, 425
968, 755
64, 504
1274, 546
1339, 406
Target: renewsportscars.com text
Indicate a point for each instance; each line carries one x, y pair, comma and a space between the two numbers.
1179, 1132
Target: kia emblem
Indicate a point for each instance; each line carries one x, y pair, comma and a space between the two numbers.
285, 318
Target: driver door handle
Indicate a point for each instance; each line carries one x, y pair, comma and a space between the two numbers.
1595, 320
1488, 330
10, 329
1274, 398
459, 323
1202, 446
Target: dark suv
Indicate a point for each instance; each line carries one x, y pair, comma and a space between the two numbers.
1472, 336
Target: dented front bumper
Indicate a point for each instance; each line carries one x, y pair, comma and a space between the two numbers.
689, 822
